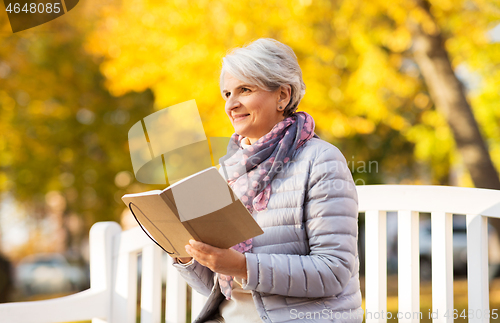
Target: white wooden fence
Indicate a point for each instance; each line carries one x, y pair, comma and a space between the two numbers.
442, 202
113, 294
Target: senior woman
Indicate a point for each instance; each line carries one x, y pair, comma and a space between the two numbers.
304, 268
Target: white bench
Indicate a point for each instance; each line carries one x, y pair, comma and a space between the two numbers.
113, 294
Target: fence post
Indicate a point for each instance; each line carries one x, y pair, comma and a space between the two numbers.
376, 261
477, 268
408, 266
101, 261
175, 307
442, 266
151, 284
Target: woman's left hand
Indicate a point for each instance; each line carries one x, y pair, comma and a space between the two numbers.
223, 261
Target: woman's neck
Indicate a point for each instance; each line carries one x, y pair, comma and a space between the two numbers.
246, 141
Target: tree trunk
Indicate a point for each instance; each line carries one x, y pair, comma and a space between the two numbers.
448, 95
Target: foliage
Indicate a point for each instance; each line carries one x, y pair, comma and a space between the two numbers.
363, 87
61, 129
70, 89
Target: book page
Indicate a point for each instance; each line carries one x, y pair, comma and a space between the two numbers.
201, 194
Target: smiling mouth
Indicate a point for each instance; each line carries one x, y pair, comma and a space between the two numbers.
241, 117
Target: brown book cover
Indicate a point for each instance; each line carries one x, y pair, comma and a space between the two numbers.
201, 207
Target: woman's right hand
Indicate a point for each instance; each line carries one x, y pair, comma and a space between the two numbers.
184, 260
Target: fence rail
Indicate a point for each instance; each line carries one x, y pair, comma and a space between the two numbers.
113, 294
442, 202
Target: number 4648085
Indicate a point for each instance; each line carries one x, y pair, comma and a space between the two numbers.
34, 8
473, 314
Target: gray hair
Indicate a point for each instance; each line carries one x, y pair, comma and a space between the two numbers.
268, 64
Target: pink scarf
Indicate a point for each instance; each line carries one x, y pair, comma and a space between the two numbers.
249, 171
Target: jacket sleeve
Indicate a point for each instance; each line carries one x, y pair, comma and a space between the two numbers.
331, 223
199, 277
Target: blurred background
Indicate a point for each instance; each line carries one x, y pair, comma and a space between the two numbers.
408, 90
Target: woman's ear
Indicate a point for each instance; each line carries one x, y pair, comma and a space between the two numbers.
285, 95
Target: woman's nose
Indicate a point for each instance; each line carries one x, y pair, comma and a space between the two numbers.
232, 103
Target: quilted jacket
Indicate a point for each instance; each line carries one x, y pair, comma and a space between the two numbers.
305, 266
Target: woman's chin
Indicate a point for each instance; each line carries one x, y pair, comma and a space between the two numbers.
241, 131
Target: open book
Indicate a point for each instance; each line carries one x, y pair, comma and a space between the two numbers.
201, 207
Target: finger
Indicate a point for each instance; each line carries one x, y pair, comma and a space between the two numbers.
201, 257
192, 251
203, 247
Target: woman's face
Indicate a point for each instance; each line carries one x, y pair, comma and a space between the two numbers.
252, 110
